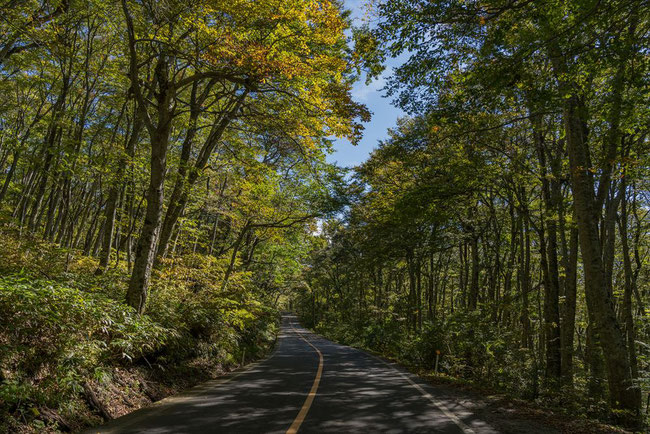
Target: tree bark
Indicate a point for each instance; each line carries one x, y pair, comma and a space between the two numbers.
569, 307
137, 292
9, 177
114, 193
621, 392
549, 259
630, 282
185, 181
474, 283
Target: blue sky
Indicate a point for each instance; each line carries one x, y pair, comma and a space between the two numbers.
384, 114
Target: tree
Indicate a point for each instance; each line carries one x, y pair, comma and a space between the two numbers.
289, 57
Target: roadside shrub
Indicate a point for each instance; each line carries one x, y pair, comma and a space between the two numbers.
384, 336
52, 336
65, 332
469, 344
211, 323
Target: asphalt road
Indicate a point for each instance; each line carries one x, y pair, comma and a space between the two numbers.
308, 385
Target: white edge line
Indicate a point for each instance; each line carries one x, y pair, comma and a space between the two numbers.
442, 407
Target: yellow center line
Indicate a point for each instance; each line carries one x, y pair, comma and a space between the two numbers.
312, 393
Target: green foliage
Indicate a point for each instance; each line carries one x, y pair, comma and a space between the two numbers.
505, 220
225, 108
469, 345
187, 297
54, 336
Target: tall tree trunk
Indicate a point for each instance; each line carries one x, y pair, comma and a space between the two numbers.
138, 289
474, 283
418, 293
136, 296
525, 283
410, 265
185, 181
549, 259
630, 282
10, 175
52, 137
621, 391
569, 306
586, 206
233, 258
110, 210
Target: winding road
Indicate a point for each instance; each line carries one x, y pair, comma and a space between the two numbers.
307, 385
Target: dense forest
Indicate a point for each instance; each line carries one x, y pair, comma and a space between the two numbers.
164, 192
161, 166
505, 222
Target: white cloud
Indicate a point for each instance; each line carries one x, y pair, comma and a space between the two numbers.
361, 91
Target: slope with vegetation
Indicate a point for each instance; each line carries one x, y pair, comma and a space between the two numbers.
504, 224
161, 166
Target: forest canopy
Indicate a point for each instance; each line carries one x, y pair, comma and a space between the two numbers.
165, 191
504, 222
162, 165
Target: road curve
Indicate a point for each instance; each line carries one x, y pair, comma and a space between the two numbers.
307, 385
